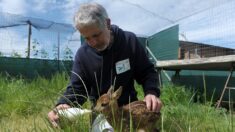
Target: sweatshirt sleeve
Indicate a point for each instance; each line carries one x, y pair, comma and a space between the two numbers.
145, 73
76, 93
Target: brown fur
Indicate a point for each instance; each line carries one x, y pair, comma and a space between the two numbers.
142, 119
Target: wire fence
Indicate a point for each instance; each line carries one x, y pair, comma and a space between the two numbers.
206, 32
209, 33
26, 37
190, 50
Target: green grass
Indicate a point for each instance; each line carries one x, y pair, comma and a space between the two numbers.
180, 113
25, 104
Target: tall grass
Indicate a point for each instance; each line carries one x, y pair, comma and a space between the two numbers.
180, 113
25, 104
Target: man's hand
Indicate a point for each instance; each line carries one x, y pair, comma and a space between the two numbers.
153, 103
53, 115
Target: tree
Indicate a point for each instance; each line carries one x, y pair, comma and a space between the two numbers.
44, 54
15, 54
1, 54
34, 49
55, 52
68, 54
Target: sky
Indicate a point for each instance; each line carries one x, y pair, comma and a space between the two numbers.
210, 21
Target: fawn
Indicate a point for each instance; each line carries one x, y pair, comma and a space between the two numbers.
134, 115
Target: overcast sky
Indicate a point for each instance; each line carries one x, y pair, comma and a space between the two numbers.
208, 21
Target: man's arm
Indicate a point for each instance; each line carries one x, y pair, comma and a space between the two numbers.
74, 95
76, 92
146, 75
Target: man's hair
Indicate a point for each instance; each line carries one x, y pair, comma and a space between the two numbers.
89, 14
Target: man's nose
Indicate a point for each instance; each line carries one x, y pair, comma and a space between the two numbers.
92, 41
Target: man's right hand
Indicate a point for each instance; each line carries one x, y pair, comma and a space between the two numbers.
53, 114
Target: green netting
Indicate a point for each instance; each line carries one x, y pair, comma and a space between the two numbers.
32, 68
11, 20
36, 38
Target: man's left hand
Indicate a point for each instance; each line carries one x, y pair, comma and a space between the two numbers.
153, 103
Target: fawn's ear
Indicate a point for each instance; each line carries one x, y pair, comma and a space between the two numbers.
117, 93
110, 91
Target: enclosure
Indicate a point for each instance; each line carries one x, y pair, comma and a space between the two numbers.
36, 58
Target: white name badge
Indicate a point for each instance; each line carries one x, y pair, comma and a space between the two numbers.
122, 66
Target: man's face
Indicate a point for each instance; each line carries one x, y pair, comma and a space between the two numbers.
95, 36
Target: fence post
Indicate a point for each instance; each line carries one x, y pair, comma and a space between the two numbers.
29, 38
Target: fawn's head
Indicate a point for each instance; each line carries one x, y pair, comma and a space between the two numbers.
108, 101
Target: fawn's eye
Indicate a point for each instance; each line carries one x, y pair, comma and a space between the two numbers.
104, 104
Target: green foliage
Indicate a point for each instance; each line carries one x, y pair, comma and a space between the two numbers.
27, 98
44, 54
55, 52
25, 104
82, 123
180, 113
68, 53
140, 92
15, 54
35, 45
172, 95
1, 54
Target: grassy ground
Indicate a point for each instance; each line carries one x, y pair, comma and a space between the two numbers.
25, 104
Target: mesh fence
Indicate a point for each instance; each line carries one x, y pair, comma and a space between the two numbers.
209, 33
31, 68
192, 50
36, 38
32, 47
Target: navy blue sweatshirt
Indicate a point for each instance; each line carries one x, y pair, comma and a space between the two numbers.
124, 61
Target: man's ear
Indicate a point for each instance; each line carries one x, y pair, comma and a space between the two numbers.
108, 23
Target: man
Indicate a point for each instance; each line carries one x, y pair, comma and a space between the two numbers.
109, 56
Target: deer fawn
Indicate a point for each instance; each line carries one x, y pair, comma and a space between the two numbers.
134, 115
